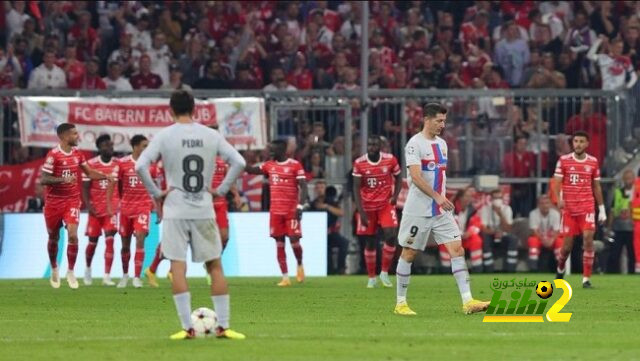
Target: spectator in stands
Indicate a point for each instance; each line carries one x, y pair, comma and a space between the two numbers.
475, 31
20, 51
569, 64
145, 79
35, 40
545, 227
413, 24
348, 81
426, 74
602, 19
292, 19
419, 43
10, 68
171, 29
140, 35
278, 81
546, 76
92, 80
300, 76
215, 77
453, 78
73, 68
85, 36
285, 57
245, 79
56, 21
594, 122
512, 54
327, 201
324, 34
314, 164
580, 36
160, 56
351, 28
545, 28
620, 222
126, 55
191, 61
520, 163
48, 75
497, 219
114, 79
615, 68
35, 204
15, 18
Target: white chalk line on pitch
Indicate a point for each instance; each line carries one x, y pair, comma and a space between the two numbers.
258, 336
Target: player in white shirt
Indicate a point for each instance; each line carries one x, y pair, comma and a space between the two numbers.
545, 225
188, 152
427, 211
48, 75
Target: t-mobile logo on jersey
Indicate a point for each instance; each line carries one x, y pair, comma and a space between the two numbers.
372, 182
573, 178
133, 181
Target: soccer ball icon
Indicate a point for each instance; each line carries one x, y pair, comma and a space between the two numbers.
544, 289
204, 321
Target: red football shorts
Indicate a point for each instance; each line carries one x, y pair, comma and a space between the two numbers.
137, 223
574, 225
57, 211
284, 225
385, 218
96, 225
222, 217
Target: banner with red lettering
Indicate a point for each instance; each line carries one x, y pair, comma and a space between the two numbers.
241, 120
17, 185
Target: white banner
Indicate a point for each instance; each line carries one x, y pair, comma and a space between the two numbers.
241, 120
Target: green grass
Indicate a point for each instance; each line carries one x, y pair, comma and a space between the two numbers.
333, 318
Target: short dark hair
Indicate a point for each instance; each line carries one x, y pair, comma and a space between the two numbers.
279, 142
64, 127
520, 136
182, 102
496, 191
580, 133
430, 110
375, 137
137, 139
102, 138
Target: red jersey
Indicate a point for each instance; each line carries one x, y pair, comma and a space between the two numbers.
218, 176
283, 184
98, 188
149, 81
61, 164
377, 180
577, 182
135, 199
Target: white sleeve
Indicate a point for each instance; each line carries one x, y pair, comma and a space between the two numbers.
555, 220
534, 220
148, 156
412, 154
508, 214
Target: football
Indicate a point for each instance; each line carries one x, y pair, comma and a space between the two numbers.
204, 321
544, 289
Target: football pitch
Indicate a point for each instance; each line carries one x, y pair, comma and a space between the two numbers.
334, 318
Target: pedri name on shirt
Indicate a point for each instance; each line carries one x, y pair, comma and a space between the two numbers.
192, 143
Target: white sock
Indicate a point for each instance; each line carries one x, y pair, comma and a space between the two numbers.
585, 279
403, 274
460, 272
183, 306
382, 273
221, 306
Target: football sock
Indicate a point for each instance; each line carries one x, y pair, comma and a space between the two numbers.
72, 254
125, 256
587, 263
89, 252
370, 261
282, 258
156, 260
183, 306
297, 251
137, 262
108, 254
562, 261
221, 306
461, 274
387, 256
52, 249
403, 274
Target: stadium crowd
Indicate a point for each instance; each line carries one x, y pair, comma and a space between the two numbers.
299, 45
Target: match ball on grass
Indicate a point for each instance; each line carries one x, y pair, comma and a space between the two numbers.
544, 289
204, 321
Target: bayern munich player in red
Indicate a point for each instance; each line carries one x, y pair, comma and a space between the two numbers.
579, 173
94, 195
376, 185
62, 201
288, 188
135, 210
